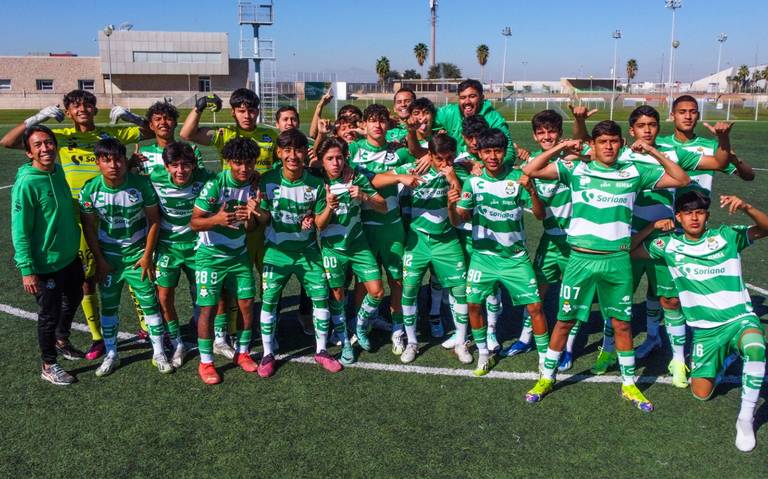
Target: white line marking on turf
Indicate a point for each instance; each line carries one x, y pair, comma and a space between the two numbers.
6, 187
757, 289
424, 370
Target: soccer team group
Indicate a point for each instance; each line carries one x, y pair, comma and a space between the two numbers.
440, 190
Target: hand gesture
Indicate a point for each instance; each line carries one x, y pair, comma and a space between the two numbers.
522, 153
666, 224
254, 204
331, 200
450, 173
527, 183
324, 126
31, 283
411, 181
454, 195
226, 218
121, 113
572, 147
721, 129
423, 164
211, 102
242, 212
640, 146
356, 193
325, 99
147, 267
308, 222
580, 112
732, 203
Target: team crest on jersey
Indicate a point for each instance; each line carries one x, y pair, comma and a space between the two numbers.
712, 243
510, 188
308, 196
133, 195
266, 138
104, 135
700, 150
624, 173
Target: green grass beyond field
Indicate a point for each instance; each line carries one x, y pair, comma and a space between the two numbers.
433, 420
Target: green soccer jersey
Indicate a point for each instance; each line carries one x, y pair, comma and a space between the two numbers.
154, 154
652, 205
371, 160
556, 197
223, 241
707, 274
497, 206
289, 202
700, 180
346, 227
602, 199
427, 204
176, 203
397, 134
122, 222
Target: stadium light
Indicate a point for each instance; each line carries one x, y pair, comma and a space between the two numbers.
108, 30
720, 39
506, 32
673, 5
616, 36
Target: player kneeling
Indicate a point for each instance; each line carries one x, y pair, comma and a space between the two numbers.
706, 266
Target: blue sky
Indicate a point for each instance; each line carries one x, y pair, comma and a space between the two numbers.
555, 38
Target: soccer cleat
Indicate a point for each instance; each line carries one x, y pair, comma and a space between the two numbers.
245, 362
108, 365
449, 343
142, 336
222, 348
518, 347
484, 367
347, 354
380, 323
605, 361
95, 351
398, 342
410, 353
745, 434
363, 340
178, 356
268, 366
493, 343
679, 371
566, 361
208, 373
463, 354
328, 362
161, 363
542, 387
650, 344
436, 328
636, 397
67, 351
56, 375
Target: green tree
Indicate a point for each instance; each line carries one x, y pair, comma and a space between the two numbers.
444, 70
421, 51
411, 74
382, 70
631, 71
742, 74
482, 52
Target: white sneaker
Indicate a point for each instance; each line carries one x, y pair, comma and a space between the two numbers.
449, 343
463, 354
108, 366
398, 343
161, 363
745, 434
222, 348
178, 356
650, 344
409, 355
379, 323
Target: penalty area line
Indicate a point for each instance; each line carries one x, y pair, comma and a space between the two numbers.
412, 369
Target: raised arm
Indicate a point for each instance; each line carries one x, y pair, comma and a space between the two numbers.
191, 130
734, 203
580, 115
674, 176
313, 126
12, 139
636, 251
537, 206
542, 167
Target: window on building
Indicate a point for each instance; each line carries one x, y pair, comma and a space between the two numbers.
204, 84
176, 57
5, 84
44, 85
86, 85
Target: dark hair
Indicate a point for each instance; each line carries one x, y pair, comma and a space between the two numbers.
109, 147
348, 110
162, 108
376, 112
442, 143
684, 98
492, 138
470, 83
547, 118
692, 200
179, 151
643, 110
241, 150
606, 127
473, 125
422, 104
244, 96
36, 129
331, 142
75, 97
405, 89
283, 109
292, 139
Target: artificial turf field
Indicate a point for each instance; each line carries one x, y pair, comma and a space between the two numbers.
380, 419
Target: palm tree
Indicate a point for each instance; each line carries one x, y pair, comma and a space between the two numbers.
382, 70
631, 71
421, 51
742, 74
482, 58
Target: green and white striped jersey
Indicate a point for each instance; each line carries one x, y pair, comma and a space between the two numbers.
603, 198
222, 241
427, 204
700, 180
177, 203
346, 227
289, 202
154, 154
556, 197
652, 205
371, 160
497, 206
707, 274
122, 222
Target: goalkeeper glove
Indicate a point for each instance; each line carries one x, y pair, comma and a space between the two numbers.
52, 111
212, 102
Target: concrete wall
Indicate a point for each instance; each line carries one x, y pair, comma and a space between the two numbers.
64, 71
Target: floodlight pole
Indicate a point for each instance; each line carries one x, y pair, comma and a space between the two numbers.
673, 5
108, 30
506, 32
720, 39
616, 36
